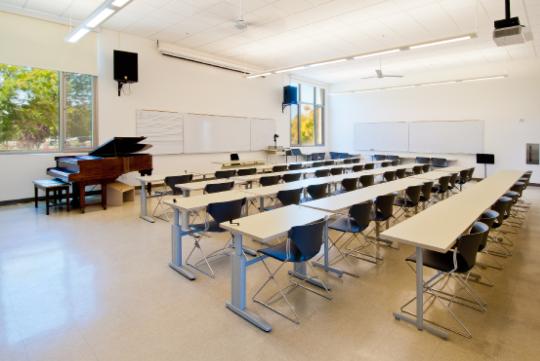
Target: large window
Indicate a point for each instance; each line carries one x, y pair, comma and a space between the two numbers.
307, 118
45, 110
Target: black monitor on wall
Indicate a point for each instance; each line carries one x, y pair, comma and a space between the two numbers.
483, 158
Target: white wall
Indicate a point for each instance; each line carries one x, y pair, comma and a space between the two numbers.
509, 107
164, 84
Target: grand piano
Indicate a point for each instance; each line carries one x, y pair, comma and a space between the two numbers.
102, 166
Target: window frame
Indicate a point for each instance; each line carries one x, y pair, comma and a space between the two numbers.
62, 148
316, 119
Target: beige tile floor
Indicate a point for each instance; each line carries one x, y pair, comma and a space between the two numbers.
97, 287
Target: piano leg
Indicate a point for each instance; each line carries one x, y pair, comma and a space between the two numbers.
82, 196
104, 195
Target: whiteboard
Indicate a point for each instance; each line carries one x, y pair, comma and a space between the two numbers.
381, 136
216, 134
461, 136
262, 133
163, 130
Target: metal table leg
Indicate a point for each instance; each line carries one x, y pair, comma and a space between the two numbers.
419, 319
326, 256
144, 205
177, 231
238, 288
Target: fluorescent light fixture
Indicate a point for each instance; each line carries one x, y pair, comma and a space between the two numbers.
441, 42
76, 36
290, 69
120, 3
257, 75
328, 62
485, 78
100, 17
439, 83
405, 86
377, 53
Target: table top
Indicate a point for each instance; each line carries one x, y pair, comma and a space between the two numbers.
438, 227
453, 169
201, 201
343, 201
275, 223
432, 176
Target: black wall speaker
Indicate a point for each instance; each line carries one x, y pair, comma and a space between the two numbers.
290, 95
126, 68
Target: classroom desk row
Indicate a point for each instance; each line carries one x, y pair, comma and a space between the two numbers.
266, 226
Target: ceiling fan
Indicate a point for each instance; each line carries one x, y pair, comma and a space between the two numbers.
241, 23
380, 75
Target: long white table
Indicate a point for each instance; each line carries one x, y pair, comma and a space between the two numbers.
263, 227
438, 227
433, 175
182, 207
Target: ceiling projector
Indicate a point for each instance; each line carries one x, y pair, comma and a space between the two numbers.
509, 31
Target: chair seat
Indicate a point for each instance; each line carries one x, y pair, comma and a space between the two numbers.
440, 261
201, 227
279, 252
402, 202
343, 225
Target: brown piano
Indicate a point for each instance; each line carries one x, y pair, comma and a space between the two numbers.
102, 166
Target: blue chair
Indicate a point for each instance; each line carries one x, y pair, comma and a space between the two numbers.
220, 212
302, 244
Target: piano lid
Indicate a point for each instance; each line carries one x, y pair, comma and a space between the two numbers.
120, 146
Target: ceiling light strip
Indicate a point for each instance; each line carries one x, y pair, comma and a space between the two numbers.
98, 16
373, 54
444, 82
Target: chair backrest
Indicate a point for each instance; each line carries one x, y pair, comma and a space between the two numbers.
488, 218
295, 166
379, 156
453, 179
290, 196
471, 172
307, 239
400, 173
218, 187
358, 168
269, 180
279, 168
392, 157
348, 161
502, 206
329, 162
334, 155
226, 211
439, 162
367, 180
443, 183
291, 177
368, 166
389, 175
384, 205
423, 160
518, 187
317, 191
425, 168
349, 184
386, 164
234, 157
317, 164
247, 171
172, 181
426, 190
464, 176
322, 173
223, 174
296, 152
361, 213
417, 169
413, 194
395, 162
355, 160
467, 246
336, 171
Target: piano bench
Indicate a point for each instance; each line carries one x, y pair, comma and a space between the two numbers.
57, 187
118, 193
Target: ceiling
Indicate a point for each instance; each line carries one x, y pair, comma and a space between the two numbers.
283, 33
